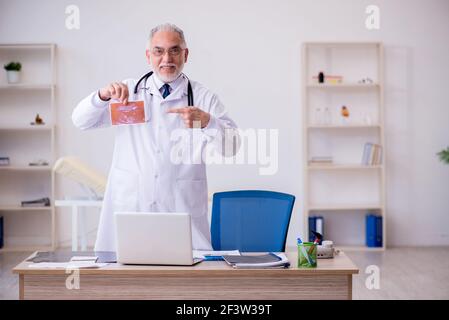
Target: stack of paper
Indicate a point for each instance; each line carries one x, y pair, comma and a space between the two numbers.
68, 265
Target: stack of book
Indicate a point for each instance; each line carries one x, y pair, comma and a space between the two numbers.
320, 160
373, 230
329, 79
43, 202
372, 154
4, 161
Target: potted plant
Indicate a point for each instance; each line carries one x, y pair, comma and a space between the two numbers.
444, 155
13, 71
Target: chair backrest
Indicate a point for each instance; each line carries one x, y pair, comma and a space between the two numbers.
251, 220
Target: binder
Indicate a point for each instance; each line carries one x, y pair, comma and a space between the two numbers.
269, 260
373, 230
1, 232
312, 226
378, 231
370, 230
319, 226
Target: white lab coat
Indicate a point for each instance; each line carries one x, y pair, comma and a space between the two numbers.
142, 176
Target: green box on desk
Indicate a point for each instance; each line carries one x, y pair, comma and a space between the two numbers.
307, 255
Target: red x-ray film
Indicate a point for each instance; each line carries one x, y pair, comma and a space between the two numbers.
131, 113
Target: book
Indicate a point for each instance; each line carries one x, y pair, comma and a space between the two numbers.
268, 260
372, 154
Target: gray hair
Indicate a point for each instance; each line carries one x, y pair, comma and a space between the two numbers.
167, 27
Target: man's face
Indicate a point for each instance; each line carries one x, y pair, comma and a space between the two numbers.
167, 55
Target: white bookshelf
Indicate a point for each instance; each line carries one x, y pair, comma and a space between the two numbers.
343, 191
28, 228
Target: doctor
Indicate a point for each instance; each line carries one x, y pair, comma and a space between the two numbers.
150, 168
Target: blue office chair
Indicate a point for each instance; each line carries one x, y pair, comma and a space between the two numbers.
251, 221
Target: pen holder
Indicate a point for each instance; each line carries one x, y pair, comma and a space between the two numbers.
307, 253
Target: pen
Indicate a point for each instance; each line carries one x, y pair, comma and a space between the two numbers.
304, 251
317, 240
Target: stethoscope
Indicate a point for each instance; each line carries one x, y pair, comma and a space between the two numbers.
145, 78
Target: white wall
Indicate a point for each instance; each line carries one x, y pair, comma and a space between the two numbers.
249, 53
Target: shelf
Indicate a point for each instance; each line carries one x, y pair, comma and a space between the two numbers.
28, 128
343, 167
345, 207
343, 140
27, 86
359, 248
341, 44
25, 168
27, 46
343, 86
348, 126
24, 249
22, 141
19, 208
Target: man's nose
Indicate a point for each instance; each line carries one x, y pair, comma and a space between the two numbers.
167, 57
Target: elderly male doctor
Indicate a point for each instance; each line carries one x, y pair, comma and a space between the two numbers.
146, 174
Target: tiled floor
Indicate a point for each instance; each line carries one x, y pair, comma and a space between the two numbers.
405, 273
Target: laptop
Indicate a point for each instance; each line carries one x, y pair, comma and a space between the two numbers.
158, 238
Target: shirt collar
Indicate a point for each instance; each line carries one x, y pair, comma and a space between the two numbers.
173, 85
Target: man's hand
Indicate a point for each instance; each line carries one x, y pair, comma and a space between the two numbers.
115, 90
192, 116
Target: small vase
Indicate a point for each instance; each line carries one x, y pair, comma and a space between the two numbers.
13, 76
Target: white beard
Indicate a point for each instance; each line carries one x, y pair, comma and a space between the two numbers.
169, 78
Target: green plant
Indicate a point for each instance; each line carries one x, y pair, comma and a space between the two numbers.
444, 155
13, 66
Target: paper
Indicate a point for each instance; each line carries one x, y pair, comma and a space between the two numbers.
67, 265
211, 253
84, 258
131, 113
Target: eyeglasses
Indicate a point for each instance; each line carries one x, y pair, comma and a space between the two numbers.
159, 52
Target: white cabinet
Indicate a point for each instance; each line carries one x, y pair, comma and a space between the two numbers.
340, 188
25, 143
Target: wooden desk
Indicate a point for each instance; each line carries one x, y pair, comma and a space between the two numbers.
332, 279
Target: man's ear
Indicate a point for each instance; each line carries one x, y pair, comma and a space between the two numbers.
186, 54
147, 54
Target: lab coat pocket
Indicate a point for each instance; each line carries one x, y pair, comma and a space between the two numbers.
191, 196
125, 189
